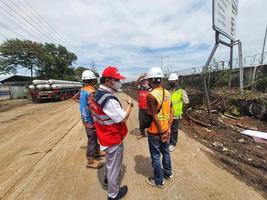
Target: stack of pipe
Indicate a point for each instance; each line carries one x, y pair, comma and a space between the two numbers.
53, 84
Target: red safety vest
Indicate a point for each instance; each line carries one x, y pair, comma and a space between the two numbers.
108, 132
142, 94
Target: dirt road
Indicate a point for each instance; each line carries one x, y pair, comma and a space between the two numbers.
43, 157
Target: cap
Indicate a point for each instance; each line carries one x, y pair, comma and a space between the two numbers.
112, 72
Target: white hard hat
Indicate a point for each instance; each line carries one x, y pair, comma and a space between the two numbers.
173, 77
154, 72
88, 74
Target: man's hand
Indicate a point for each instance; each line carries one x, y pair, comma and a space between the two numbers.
143, 76
168, 133
129, 100
165, 137
88, 125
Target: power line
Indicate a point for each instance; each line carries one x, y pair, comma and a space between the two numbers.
24, 19
43, 21
10, 30
22, 27
38, 21
33, 20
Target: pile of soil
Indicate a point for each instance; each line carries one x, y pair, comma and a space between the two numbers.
237, 153
249, 104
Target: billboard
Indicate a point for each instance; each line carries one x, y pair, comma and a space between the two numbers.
224, 17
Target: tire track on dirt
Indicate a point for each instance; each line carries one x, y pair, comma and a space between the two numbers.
39, 160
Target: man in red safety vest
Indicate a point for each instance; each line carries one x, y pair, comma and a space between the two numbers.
143, 91
110, 123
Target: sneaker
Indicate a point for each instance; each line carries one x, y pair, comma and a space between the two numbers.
105, 183
151, 181
169, 178
140, 136
122, 192
171, 148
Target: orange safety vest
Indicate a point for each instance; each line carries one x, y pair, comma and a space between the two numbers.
164, 113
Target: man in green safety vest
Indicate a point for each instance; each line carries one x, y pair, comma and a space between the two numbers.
179, 98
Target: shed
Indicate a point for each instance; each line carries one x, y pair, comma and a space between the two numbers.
15, 87
17, 80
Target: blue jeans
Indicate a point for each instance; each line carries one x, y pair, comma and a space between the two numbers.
156, 147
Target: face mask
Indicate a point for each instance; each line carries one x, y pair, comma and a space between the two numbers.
172, 85
145, 85
116, 85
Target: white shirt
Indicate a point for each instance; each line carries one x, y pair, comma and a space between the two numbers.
113, 109
185, 97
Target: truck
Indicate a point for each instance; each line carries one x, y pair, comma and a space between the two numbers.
51, 89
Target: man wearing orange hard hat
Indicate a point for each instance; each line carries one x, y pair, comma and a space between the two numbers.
110, 123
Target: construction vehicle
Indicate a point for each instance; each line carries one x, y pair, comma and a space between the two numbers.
61, 90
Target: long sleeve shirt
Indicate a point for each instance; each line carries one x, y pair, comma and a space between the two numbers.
185, 97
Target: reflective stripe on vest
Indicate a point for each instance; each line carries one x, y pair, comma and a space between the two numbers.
100, 101
177, 102
108, 132
164, 113
102, 119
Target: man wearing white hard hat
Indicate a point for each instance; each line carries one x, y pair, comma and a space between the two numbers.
179, 98
93, 149
159, 106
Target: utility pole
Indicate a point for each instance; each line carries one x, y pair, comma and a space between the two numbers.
195, 69
261, 62
93, 67
161, 58
263, 48
241, 74
230, 65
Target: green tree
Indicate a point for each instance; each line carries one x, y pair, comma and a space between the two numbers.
56, 63
16, 53
78, 72
47, 60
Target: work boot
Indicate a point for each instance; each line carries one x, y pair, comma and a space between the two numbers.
99, 153
140, 136
93, 163
122, 192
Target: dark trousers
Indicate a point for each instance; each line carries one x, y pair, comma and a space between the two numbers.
141, 116
156, 148
174, 132
92, 144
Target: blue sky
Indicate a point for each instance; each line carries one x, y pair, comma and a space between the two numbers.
130, 34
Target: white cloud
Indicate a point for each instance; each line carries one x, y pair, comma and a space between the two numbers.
130, 33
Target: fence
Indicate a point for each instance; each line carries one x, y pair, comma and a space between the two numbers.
13, 92
218, 65
220, 78
4, 92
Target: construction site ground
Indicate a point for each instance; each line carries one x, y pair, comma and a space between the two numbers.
43, 157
